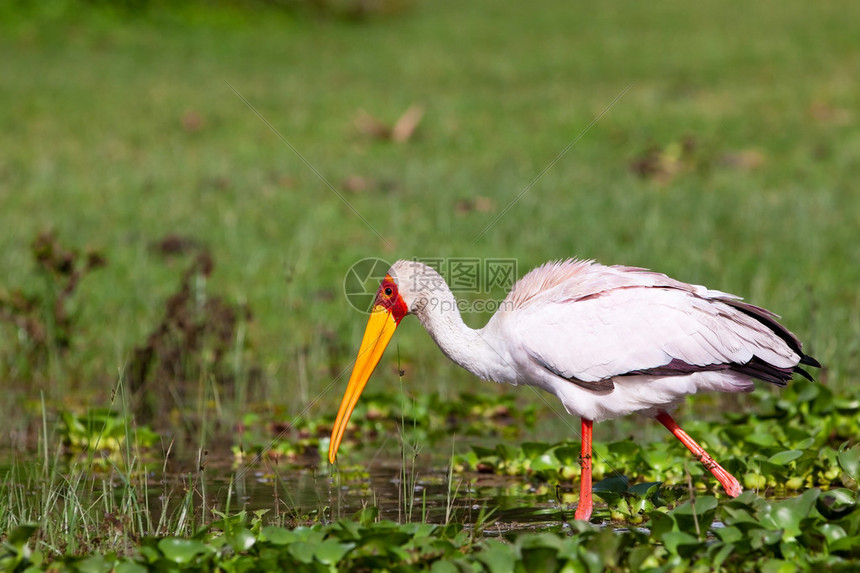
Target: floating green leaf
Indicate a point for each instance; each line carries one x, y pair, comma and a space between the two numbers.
20, 535
240, 539
836, 503
182, 551
277, 535
785, 457
331, 551
849, 460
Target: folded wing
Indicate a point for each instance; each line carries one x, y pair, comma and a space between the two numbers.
660, 329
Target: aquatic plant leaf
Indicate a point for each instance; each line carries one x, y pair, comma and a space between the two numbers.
567, 455
659, 460
149, 549
94, 564
804, 443
309, 534
646, 490
609, 546
240, 539
846, 405
277, 535
760, 538
367, 515
384, 539
692, 515
789, 514
702, 504
738, 515
748, 501
849, 460
20, 535
778, 566
302, 551
808, 391
616, 483
496, 556
508, 452
331, 551
444, 567
661, 524
724, 552
544, 462
763, 439
483, 452
129, 567
847, 545
832, 533
182, 551
534, 449
346, 529
539, 552
639, 554
729, 534
680, 543
836, 503
419, 529
785, 457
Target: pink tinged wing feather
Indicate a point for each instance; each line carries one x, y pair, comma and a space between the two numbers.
640, 321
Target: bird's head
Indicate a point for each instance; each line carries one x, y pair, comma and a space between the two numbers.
403, 291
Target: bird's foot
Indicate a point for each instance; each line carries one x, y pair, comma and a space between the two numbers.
727, 480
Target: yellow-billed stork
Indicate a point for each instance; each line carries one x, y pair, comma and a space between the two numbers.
606, 340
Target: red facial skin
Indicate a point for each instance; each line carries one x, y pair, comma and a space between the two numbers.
389, 298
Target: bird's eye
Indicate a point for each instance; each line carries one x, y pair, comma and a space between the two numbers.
388, 291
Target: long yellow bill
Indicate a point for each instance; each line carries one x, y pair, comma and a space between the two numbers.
379, 330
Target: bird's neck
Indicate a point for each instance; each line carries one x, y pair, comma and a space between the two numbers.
472, 349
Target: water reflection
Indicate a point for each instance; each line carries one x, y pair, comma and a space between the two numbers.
167, 497
496, 504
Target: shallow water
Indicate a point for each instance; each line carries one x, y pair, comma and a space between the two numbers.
500, 504
300, 492
304, 491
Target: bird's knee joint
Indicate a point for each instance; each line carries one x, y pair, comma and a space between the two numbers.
707, 461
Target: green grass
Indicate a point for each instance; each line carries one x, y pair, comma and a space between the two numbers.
118, 129
65, 508
93, 146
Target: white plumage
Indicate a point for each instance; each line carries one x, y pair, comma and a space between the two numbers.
580, 330
607, 341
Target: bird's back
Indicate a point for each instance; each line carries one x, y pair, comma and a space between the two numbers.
583, 330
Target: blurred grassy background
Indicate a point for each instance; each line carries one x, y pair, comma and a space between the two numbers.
732, 161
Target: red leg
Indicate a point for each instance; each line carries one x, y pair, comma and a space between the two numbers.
583, 510
728, 481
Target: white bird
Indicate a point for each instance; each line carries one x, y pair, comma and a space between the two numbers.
606, 340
